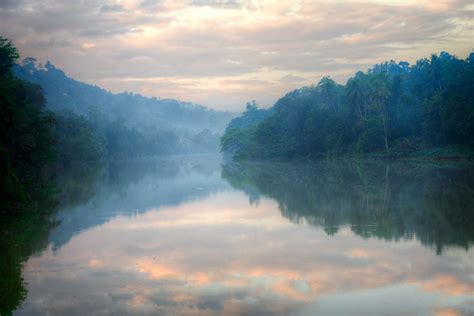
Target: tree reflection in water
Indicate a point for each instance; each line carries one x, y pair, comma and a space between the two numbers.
432, 203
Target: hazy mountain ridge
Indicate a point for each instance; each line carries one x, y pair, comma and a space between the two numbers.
134, 110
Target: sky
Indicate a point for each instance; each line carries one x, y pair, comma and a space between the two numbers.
223, 53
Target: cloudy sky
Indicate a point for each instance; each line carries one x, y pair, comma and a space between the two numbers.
223, 53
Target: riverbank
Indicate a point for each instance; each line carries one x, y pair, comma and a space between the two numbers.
447, 153
433, 154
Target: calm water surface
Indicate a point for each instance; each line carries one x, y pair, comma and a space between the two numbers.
191, 236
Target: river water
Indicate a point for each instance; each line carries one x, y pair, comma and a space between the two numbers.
196, 236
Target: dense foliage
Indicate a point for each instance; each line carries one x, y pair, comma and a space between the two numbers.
26, 137
34, 139
238, 134
391, 107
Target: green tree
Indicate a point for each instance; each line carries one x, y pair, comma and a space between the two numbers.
379, 101
26, 141
8, 56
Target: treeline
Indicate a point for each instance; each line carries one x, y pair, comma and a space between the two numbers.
36, 143
393, 107
27, 143
88, 139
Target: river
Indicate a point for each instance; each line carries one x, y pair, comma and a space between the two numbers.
192, 235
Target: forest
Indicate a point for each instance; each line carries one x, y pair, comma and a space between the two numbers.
391, 110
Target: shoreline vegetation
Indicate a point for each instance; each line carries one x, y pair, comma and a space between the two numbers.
36, 144
448, 154
435, 154
394, 110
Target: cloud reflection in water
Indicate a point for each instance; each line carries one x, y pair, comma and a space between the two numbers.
222, 255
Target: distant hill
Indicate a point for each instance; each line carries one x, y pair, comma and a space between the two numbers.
189, 121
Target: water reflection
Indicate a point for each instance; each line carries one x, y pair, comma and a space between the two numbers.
392, 201
133, 187
174, 238
25, 233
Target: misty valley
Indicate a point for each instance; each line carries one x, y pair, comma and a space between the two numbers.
345, 196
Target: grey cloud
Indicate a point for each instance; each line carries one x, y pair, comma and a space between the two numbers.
9, 4
292, 79
213, 303
151, 4
58, 43
216, 3
96, 32
332, 38
111, 8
